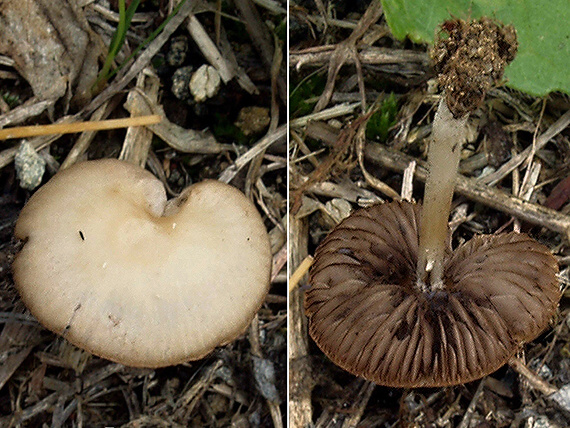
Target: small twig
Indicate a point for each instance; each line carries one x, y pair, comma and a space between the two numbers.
528, 185
279, 260
300, 369
535, 381
188, 401
21, 113
253, 174
336, 111
347, 49
261, 39
370, 179
354, 416
556, 128
346, 190
408, 182
114, 16
7, 61
278, 135
209, 49
304, 149
340, 156
533, 146
136, 144
340, 23
262, 192
231, 60
256, 351
473, 405
453, 410
84, 140
411, 61
179, 138
272, 6
479, 192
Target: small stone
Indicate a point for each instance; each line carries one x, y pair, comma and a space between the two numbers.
539, 421
562, 397
339, 209
177, 53
335, 211
181, 81
30, 166
205, 83
218, 403
264, 374
541, 369
252, 120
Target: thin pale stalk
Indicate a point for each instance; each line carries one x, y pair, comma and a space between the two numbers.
447, 137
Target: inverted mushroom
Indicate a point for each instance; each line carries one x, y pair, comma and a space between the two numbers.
370, 315
118, 270
390, 300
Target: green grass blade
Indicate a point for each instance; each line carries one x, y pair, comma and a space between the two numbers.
125, 18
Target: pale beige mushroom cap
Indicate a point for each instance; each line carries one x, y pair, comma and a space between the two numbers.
119, 271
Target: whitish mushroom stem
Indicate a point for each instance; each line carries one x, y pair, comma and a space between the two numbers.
447, 137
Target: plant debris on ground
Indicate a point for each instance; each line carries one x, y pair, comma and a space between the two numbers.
215, 72
513, 176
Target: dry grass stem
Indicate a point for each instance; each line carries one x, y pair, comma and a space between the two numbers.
370, 179
472, 405
70, 128
86, 137
300, 369
336, 111
300, 272
412, 62
535, 381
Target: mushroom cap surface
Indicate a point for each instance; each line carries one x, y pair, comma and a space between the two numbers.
118, 270
367, 314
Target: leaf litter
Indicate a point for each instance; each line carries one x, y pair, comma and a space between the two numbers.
49, 76
513, 165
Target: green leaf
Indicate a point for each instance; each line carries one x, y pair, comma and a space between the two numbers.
309, 88
149, 39
382, 120
543, 60
224, 129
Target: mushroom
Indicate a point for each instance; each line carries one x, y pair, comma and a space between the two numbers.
121, 272
370, 314
390, 300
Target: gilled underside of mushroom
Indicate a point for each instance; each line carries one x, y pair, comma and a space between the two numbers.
370, 315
